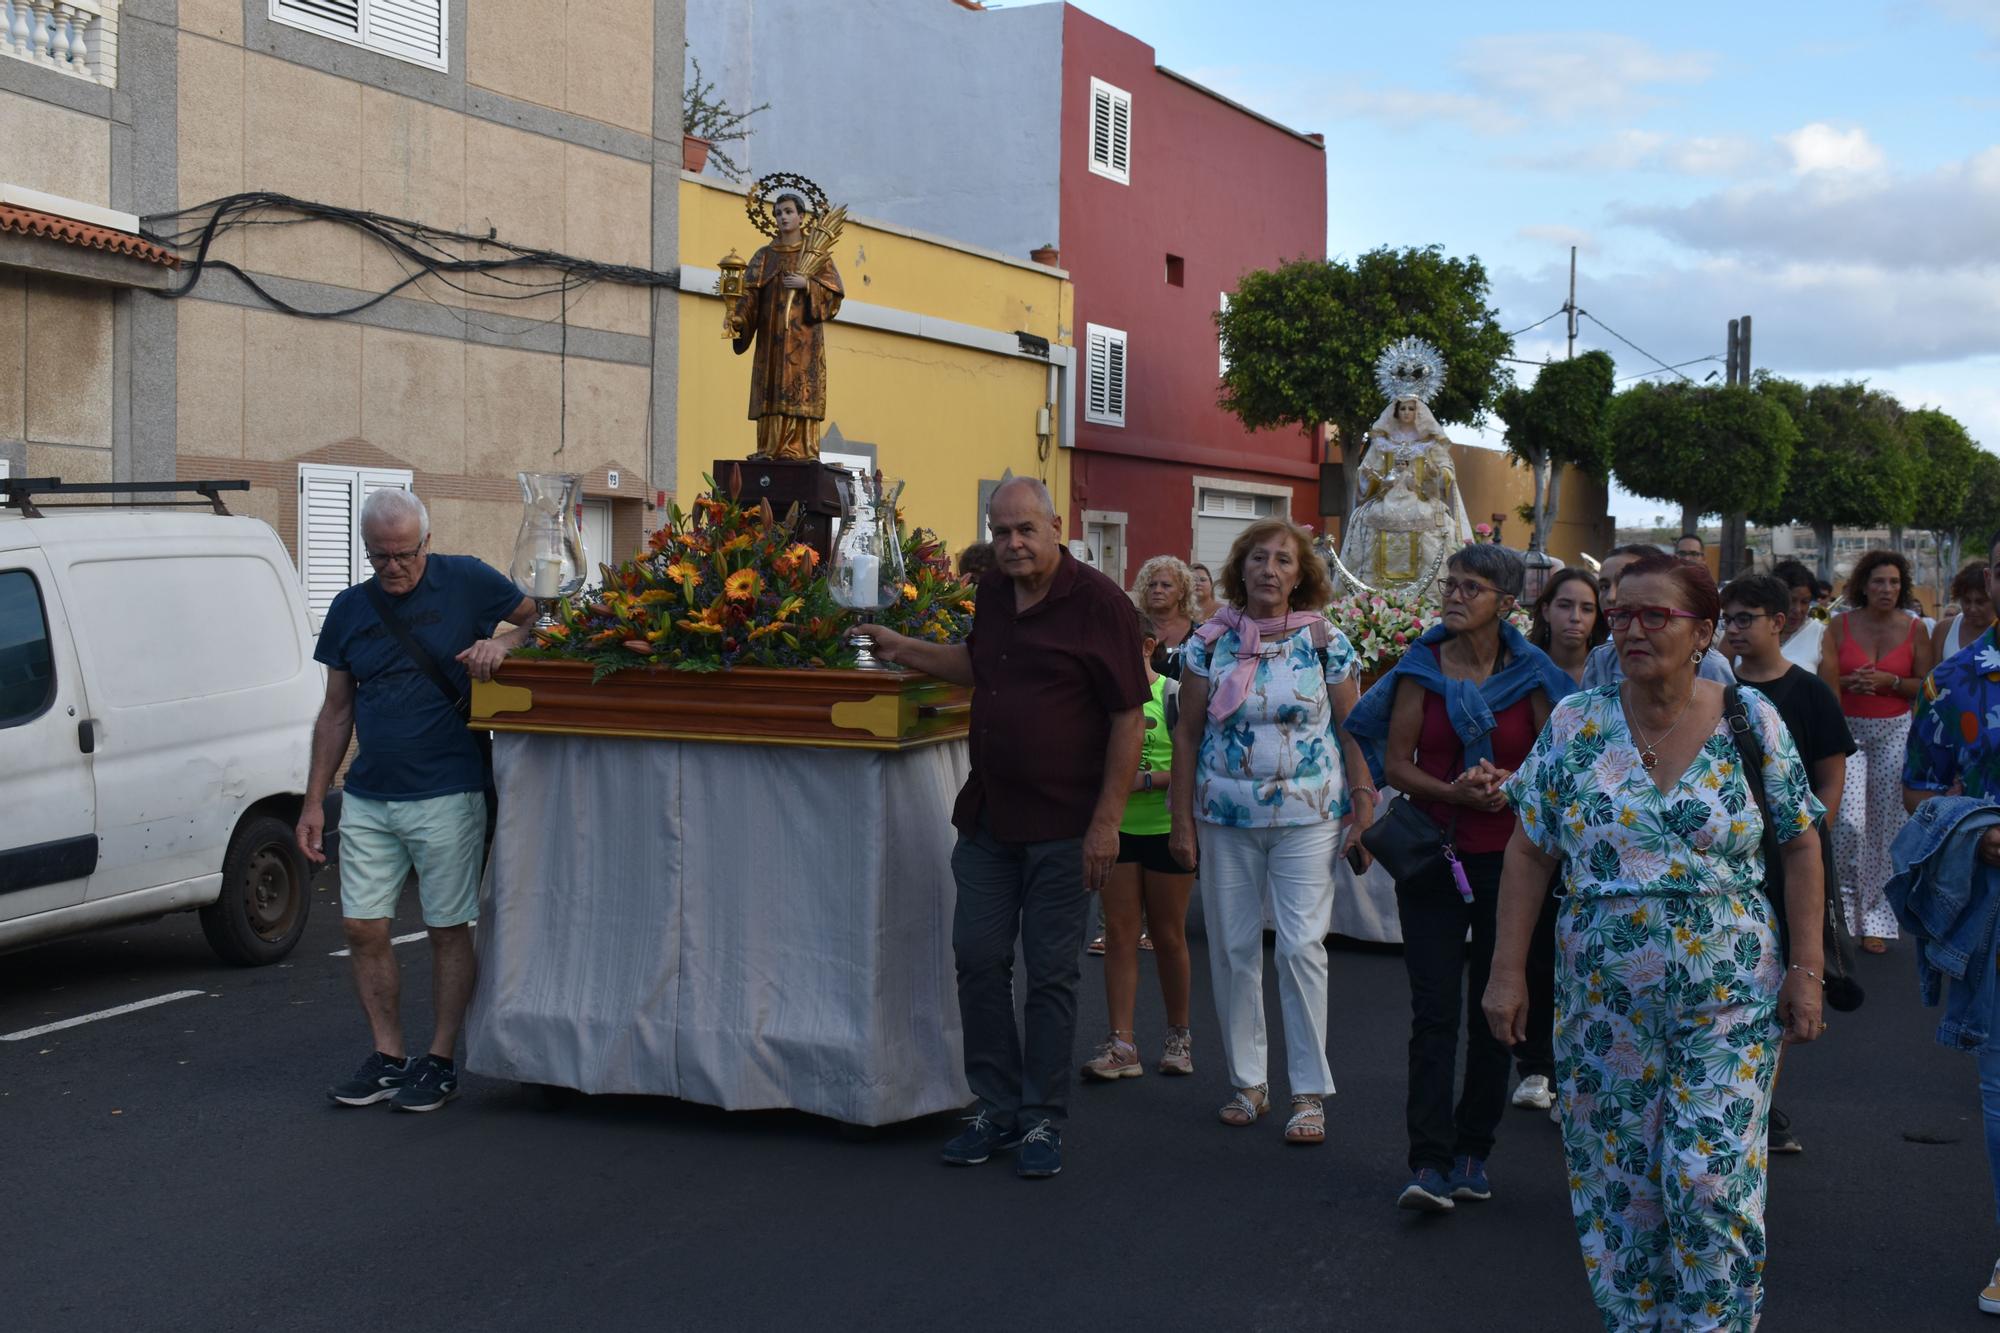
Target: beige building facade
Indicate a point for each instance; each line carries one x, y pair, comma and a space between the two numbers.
549, 125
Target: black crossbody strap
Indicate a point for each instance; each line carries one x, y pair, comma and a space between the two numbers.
461, 704
1750, 752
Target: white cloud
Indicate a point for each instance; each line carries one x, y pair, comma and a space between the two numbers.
1567, 76
1721, 155
1820, 147
1560, 236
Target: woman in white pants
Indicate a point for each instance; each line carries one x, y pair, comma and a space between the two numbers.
1265, 686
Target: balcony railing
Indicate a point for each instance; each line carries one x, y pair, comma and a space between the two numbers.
78, 38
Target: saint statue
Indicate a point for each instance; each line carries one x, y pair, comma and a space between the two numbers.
1408, 514
790, 289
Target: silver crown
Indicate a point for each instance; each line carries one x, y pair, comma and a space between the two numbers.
1410, 367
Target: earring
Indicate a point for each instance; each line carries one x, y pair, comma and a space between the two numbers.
1695, 656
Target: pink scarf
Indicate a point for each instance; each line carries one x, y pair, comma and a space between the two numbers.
1227, 693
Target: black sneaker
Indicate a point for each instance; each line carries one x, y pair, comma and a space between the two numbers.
431, 1083
979, 1140
1779, 1137
378, 1078
1041, 1153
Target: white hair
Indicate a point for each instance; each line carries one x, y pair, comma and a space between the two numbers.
393, 504
1034, 488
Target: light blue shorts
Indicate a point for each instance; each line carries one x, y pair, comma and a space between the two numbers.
443, 839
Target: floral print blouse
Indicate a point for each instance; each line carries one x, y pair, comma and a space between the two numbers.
1956, 737
1275, 762
1583, 794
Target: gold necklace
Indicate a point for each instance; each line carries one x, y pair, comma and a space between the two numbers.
1647, 759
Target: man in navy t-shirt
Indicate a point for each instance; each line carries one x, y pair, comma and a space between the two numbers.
416, 792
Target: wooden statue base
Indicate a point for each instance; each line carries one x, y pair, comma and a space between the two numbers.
806, 482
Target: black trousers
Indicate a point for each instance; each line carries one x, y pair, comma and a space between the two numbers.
1537, 1055
1447, 980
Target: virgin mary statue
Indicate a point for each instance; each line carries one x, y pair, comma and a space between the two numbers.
1407, 513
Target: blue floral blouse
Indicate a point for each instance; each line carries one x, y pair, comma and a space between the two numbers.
1275, 762
1583, 794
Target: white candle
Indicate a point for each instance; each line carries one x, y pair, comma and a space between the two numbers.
864, 580
547, 572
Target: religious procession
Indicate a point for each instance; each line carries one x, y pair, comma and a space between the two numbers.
1158, 596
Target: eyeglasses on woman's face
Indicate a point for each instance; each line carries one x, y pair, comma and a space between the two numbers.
1652, 617
1465, 590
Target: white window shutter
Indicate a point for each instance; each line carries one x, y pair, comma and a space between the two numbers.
1104, 375
1110, 131
335, 18
414, 29
1221, 354
331, 558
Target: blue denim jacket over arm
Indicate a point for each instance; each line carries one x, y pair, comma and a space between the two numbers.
1949, 899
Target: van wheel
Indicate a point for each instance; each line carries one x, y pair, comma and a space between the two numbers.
265, 895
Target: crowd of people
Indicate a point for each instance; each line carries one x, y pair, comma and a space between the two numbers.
1616, 835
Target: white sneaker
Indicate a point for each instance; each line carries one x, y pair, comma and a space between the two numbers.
1989, 1299
1534, 1093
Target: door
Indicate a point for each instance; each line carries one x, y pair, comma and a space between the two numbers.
48, 800
1104, 539
1220, 518
594, 516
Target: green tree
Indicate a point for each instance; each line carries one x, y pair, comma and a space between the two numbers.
1853, 469
1945, 455
1978, 521
1562, 420
1705, 449
1301, 342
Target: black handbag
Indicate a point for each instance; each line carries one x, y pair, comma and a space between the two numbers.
1843, 992
1407, 841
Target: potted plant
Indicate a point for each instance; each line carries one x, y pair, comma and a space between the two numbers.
707, 122
1046, 254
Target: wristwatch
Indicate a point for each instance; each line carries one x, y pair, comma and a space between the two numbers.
1146, 776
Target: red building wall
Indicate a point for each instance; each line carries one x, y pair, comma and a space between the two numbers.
1226, 192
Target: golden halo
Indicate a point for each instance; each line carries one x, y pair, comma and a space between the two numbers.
758, 205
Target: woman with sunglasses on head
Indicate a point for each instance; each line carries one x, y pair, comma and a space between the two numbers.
1876, 656
1446, 727
1672, 995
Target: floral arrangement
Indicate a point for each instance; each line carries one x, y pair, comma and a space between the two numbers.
725, 584
1382, 625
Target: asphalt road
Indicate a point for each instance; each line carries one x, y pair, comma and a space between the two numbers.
178, 1167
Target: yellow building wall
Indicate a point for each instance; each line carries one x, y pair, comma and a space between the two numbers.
942, 417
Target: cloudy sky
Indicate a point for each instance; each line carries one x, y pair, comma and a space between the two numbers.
1831, 168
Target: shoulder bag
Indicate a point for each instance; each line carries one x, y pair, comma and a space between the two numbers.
1843, 992
460, 703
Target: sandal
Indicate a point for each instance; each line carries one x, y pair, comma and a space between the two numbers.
1246, 1106
1308, 1122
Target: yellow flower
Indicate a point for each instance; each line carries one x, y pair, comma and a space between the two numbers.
655, 596
736, 543
699, 627
742, 586
909, 592
684, 571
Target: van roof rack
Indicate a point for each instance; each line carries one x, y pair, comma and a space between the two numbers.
21, 493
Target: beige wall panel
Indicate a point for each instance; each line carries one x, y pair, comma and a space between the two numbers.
616, 306
514, 185
208, 379
516, 47
61, 152
214, 18
610, 58
412, 166
301, 384
68, 363
413, 398
210, 117
608, 207
13, 355
68, 462
266, 503
482, 528
512, 411
300, 139
606, 411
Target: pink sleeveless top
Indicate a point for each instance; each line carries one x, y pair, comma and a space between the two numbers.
1901, 660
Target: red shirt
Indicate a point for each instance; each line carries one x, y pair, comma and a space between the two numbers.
1441, 754
1045, 683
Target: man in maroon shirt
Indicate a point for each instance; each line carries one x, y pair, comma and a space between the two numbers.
1054, 665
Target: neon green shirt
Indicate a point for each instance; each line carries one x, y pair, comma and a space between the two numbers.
1146, 811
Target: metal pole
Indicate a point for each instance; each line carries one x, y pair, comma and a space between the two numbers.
1735, 352
1571, 307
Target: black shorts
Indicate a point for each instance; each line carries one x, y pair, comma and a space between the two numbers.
1149, 852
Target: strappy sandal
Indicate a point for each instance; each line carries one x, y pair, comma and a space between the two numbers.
1308, 1122
1244, 1108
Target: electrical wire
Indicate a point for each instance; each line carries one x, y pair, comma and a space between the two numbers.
1538, 323
1634, 346
1644, 373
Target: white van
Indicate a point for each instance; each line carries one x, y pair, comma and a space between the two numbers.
157, 695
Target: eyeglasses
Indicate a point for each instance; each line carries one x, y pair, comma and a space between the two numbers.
1465, 589
382, 559
1652, 617
1742, 619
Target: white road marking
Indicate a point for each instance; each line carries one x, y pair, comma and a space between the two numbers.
26, 1033
393, 939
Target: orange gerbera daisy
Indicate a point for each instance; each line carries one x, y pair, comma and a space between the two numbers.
742, 586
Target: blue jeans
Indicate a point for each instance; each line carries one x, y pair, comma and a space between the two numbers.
1033, 892
1989, 1102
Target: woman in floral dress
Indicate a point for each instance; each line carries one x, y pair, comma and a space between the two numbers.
1671, 993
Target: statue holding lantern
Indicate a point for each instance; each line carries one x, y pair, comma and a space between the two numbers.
777, 304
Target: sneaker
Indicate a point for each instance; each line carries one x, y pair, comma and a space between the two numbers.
1534, 1093
378, 1079
1177, 1056
1778, 1136
1114, 1059
979, 1140
1096, 947
1468, 1179
1041, 1153
432, 1082
1426, 1193
1989, 1299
